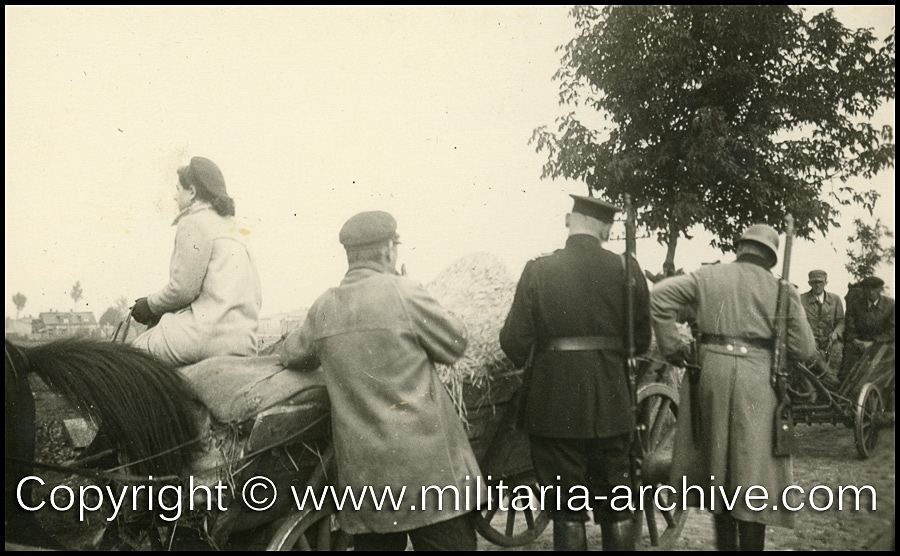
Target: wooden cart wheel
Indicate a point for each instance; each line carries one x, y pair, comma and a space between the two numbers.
310, 530
869, 408
658, 411
511, 527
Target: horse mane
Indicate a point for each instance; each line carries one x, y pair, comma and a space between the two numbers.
142, 404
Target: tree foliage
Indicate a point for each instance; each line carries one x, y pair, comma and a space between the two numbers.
721, 116
76, 292
869, 253
19, 299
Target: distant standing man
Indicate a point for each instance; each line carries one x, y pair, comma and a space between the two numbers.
569, 307
733, 447
377, 337
825, 313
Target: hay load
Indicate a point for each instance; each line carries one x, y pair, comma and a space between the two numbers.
478, 289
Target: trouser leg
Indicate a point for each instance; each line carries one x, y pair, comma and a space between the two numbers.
380, 541
726, 532
569, 535
752, 535
608, 467
454, 534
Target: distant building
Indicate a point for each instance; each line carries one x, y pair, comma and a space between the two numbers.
57, 324
18, 328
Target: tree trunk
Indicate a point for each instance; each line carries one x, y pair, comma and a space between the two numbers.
671, 244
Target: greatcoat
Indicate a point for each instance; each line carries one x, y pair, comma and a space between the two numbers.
212, 301
377, 337
737, 402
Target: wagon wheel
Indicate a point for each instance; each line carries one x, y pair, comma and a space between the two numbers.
513, 527
658, 410
310, 530
869, 409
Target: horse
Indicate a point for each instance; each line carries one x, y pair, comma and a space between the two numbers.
143, 407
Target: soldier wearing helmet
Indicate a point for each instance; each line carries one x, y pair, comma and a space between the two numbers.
734, 400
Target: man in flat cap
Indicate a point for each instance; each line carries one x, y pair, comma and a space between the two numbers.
825, 313
377, 337
733, 444
870, 320
569, 311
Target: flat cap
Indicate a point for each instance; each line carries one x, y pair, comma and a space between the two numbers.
368, 228
203, 173
872, 282
595, 208
818, 276
765, 236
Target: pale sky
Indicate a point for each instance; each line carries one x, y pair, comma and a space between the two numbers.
313, 114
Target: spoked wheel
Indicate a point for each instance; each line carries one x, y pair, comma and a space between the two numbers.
310, 530
665, 518
510, 522
869, 413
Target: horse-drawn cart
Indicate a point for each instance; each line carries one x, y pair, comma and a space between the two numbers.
858, 401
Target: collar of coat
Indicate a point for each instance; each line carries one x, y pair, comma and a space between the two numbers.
582, 239
196, 207
754, 259
373, 266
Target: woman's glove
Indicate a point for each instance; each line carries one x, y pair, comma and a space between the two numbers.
141, 311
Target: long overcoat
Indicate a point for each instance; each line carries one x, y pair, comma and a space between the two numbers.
737, 402
576, 291
211, 303
377, 337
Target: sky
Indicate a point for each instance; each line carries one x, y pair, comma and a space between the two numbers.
313, 114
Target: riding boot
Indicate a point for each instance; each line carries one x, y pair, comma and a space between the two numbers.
753, 535
726, 532
618, 535
569, 535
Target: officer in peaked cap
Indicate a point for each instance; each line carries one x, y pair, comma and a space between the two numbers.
569, 311
595, 208
724, 432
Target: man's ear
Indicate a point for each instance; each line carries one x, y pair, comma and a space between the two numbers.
568, 217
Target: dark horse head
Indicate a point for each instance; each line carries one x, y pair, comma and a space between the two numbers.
142, 405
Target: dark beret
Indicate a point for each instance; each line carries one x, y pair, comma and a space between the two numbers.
368, 228
203, 173
595, 208
872, 282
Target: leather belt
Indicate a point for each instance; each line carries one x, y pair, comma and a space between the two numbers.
583, 343
735, 341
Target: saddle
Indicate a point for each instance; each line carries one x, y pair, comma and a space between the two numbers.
253, 404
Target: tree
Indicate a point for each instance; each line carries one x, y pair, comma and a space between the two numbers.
76, 292
721, 116
19, 299
869, 252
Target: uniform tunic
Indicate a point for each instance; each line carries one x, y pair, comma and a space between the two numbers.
576, 291
737, 401
377, 337
212, 301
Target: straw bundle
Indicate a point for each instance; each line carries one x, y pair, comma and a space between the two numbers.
477, 289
